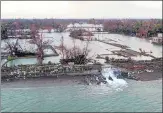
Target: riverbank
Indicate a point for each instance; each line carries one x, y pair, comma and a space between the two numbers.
70, 80
149, 76
60, 80
84, 79
130, 69
142, 70
45, 81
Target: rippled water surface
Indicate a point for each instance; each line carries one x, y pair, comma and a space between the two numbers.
138, 96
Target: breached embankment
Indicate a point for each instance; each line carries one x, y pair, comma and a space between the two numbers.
80, 74
112, 78
107, 76
143, 70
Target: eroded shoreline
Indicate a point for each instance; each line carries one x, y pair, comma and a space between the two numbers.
70, 80
51, 81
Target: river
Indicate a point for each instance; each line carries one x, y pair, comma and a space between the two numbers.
49, 97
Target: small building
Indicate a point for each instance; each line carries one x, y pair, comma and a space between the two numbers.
158, 39
159, 35
88, 27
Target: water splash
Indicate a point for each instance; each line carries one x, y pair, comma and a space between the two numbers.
112, 80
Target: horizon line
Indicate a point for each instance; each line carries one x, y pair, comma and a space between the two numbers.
79, 18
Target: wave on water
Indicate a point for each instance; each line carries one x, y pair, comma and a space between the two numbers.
112, 80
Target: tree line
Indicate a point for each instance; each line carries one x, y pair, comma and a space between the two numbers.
141, 28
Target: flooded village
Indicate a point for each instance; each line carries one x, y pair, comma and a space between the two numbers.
59, 48
81, 56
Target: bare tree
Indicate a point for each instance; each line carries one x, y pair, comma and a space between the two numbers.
62, 46
37, 39
12, 48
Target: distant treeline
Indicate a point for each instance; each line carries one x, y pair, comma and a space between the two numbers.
26, 23
135, 27
141, 28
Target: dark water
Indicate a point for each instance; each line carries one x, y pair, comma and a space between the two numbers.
138, 96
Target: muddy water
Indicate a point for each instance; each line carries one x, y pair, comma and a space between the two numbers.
94, 46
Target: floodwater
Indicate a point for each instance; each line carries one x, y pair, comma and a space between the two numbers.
94, 46
50, 97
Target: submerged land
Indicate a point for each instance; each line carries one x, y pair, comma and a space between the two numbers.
80, 49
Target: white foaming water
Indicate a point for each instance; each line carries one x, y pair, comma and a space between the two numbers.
114, 83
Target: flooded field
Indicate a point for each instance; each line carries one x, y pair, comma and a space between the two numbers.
95, 47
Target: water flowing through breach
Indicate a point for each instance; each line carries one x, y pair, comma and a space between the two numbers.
111, 76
